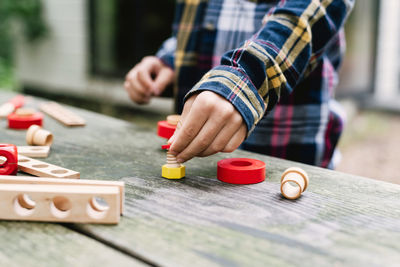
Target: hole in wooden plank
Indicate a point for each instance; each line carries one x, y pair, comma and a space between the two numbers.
23, 160
59, 171
97, 208
24, 205
60, 207
99, 204
40, 166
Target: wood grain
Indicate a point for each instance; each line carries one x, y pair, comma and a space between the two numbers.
48, 245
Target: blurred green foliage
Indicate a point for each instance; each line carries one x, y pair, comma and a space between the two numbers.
29, 14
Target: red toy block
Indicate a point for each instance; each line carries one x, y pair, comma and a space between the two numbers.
165, 130
241, 171
16, 121
10, 166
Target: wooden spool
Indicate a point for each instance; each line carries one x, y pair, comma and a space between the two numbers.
294, 182
38, 136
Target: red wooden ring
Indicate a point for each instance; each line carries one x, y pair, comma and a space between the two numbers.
241, 171
10, 166
165, 130
24, 122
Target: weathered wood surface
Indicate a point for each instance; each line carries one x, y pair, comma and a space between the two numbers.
198, 221
43, 244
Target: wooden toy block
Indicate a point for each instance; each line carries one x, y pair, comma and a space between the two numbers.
60, 203
294, 182
6, 109
9, 107
34, 151
43, 169
10, 164
38, 136
62, 114
5, 179
173, 169
173, 119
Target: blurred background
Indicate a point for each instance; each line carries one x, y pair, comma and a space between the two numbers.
78, 52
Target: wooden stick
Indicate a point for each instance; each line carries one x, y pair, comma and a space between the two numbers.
60, 203
43, 169
34, 151
9, 179
61, 114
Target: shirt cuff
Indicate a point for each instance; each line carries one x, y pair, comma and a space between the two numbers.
235, 86
167, 52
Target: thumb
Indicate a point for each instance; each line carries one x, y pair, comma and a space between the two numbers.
164, 77
185, 112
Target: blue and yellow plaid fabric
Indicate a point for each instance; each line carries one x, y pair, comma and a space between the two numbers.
275, 61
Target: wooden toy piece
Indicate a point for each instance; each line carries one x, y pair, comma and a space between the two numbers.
24, 112
6, 109
34, 151
24, 118
173, 169
173, 119
18, 101
60, 203
10, 164
43, 169
38, 136
167, 128
9, 107
62, 114
294, 181
78, 182
241, 171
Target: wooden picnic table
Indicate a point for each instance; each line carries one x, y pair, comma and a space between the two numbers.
340, 220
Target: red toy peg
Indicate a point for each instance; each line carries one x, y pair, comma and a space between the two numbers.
167, 146
10, 165
241, 171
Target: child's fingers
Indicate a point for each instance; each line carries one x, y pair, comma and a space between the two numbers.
187, 125
202, 140
236, 139
163, 78
228, 132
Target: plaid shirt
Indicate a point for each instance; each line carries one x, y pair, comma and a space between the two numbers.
275, 61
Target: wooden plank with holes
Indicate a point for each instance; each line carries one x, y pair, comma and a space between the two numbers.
43, 169
10, 179
62, 114
60, 203
34, 151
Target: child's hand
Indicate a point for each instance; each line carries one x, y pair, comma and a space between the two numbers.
209, 124
148, 78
